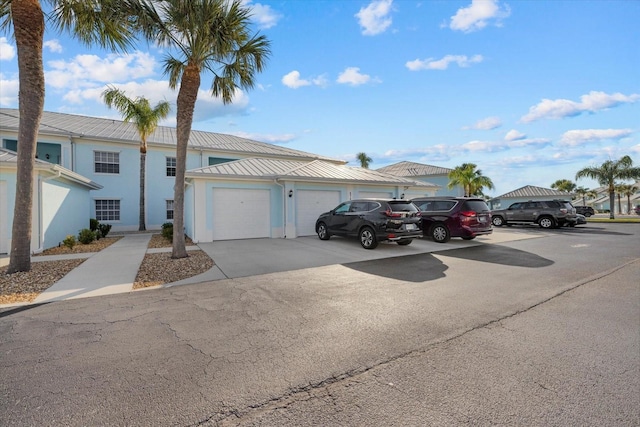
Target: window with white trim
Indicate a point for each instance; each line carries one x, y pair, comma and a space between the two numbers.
171, 166
169, 209
108, 210
106, 162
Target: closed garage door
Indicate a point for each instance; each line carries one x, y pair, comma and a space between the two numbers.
309, 205
241, 213
375, 195
4, 219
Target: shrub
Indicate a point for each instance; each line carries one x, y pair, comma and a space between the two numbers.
86, 236
93, 224
69, 241
104, 229
167, 231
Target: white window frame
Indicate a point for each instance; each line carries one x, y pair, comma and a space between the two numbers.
112, 212
107, 159
171, 164
169, 209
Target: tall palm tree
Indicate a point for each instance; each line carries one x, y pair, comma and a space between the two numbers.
108, 23
470, 179
627, 190
210, 36
564, 185
146, 120
608, 172
364, 159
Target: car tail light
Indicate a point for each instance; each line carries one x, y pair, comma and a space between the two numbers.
564, 211
471, 214
392, 214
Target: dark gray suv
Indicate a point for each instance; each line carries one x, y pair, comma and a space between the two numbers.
372, 221
545, 213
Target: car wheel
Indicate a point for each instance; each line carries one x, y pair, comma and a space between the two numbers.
469, 238
323, 233
587, 214
546, 222
368, 238
440, 233
497, 221
405, 242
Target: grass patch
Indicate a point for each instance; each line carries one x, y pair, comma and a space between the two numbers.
623, 220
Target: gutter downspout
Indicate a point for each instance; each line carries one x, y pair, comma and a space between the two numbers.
41, 181
284, 207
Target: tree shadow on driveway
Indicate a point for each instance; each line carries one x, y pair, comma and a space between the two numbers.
499, 255
411, 268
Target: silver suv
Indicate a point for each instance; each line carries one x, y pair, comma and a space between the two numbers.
545, 213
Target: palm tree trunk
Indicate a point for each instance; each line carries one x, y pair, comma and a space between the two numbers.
28, 24
612, 204
143, 160
187, 95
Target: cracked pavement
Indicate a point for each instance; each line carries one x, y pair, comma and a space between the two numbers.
553, 340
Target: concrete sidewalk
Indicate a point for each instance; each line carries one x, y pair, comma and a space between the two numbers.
110, 271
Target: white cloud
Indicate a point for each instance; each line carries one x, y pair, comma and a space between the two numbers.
262, 14
352, 76
153, 90
7, 51
576, 137
443, 64
635, 149
89, 70
591, 102
294, 81
53, 45
477, 15
514, 135
487, 123
8, 91
374, 19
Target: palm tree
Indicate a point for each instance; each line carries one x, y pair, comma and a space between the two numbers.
364, 160
564, 185
208, 36
627, 190
582, 192
608, 172
109, 23
146, 120
470, 179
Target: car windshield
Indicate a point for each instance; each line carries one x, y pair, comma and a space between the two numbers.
403, 206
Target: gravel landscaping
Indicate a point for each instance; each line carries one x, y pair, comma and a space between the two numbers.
156, 269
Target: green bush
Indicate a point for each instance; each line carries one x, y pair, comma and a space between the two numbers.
167, 231
104, 229
86, 236
93, 224
69, 241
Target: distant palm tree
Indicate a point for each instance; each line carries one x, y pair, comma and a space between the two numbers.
564, 185
470, 179
364, 159
582, 192
146, 120
108, 23
608, 172
207, 36
627, 190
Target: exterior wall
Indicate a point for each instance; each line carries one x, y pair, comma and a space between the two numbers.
65, 210
442, 181
7, 203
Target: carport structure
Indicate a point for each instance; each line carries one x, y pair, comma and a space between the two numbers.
274, 198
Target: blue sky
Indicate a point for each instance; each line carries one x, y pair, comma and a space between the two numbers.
530, 91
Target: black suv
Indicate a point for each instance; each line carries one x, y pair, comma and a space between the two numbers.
545, 213
372, 221
446, 217
585, 210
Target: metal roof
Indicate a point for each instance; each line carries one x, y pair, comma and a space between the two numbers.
413, 169
318, 170
8, 157
532, 191
78, 127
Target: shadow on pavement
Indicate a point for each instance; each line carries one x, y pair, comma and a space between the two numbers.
499, 255
411, 268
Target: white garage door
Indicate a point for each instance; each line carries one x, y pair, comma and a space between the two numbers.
375, 195
4, 219
241, 213
309, 205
